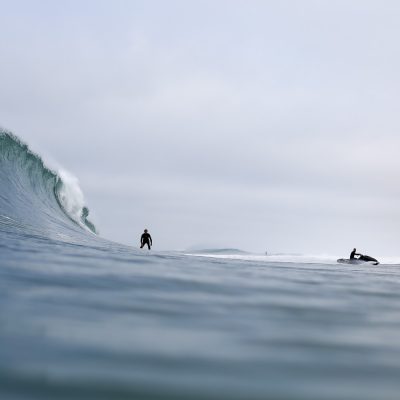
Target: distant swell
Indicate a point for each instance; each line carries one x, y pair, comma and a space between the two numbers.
217, 252
34, 196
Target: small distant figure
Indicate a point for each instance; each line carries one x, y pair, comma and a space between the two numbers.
146, 239
353, 254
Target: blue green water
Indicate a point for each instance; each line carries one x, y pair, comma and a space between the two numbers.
86, 318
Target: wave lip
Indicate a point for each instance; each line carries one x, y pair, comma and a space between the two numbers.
35, 196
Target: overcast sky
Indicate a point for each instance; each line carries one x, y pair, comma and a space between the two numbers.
261, 125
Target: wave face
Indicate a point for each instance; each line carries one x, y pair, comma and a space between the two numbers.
36, 199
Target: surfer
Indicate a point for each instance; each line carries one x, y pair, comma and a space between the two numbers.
353, 254
146, 239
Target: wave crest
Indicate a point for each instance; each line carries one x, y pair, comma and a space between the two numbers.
32, 193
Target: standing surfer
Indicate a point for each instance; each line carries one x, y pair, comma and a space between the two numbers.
146, 239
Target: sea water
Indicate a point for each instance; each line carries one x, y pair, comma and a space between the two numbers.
85, 318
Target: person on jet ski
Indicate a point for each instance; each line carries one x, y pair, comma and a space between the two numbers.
362, 257
353, 254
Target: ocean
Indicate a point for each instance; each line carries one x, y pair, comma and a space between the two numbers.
82, 317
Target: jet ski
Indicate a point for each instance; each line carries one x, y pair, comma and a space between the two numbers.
362, 259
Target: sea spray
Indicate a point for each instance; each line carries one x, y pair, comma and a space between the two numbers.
72, 199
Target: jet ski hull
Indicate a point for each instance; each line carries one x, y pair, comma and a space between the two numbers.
364, 260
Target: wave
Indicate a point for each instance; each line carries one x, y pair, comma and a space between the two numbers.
226, 252
36, 197
274, 258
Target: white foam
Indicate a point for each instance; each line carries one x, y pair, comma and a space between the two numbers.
311, 259
287, 258
71, 196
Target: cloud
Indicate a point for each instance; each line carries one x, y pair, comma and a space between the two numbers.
253, 119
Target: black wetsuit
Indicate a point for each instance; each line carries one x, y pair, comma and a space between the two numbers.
353, 254
146, 239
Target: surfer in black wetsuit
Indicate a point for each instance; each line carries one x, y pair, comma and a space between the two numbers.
353, 254
146, 239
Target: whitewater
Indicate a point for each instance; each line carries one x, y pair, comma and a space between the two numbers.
82, 317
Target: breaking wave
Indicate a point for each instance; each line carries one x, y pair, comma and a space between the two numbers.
36, 197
